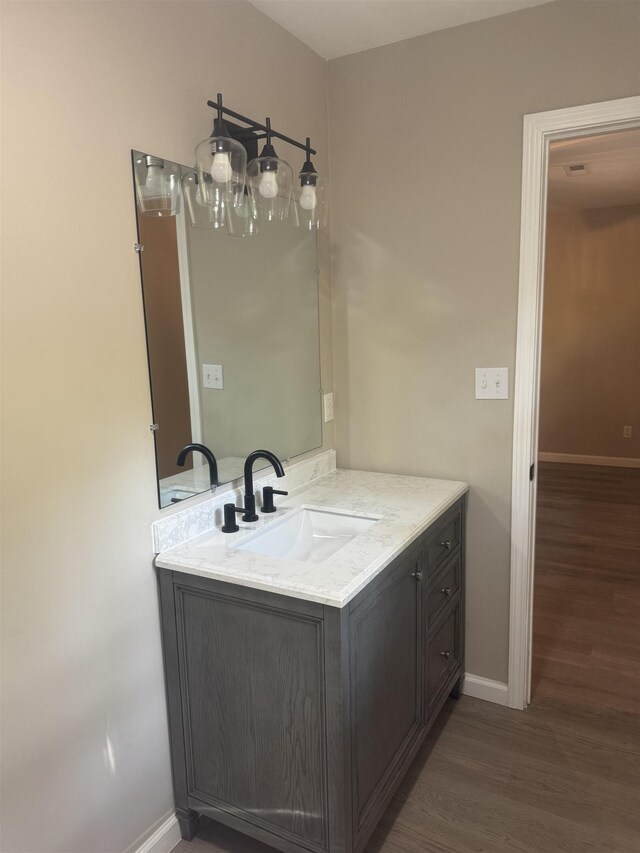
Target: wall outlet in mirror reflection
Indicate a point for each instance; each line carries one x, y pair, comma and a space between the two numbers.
212, 376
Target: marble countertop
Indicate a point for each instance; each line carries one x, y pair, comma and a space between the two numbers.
406, 506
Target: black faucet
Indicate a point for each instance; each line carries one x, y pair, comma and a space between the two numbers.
249, 497
208, 455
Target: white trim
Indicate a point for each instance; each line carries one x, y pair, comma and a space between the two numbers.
484, 688
539, 130
578, 459
193, 371
164, 839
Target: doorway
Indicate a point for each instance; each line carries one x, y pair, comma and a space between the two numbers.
587, 548
540, 130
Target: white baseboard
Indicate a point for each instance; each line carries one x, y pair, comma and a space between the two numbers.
484, 688
577, 459
164, 839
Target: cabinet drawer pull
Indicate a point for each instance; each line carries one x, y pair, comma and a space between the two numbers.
446, 544
417, 575
446, 591
446, 655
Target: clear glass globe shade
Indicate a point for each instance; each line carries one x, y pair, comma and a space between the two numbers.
155, 184
268, 187
221, 170
242, 209
308, 198
200, 198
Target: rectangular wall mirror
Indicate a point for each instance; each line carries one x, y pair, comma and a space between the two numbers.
233, 345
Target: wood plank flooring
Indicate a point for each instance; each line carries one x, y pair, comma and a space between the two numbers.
586, 641
562, 776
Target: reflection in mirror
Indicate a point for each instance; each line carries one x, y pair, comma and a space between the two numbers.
233, 345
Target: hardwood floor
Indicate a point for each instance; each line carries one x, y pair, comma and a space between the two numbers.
564, 775
586, 641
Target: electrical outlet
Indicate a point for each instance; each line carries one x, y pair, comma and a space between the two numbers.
327, 401
212, 376
626, 432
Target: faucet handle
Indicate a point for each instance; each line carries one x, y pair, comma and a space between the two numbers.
267, 496
230, 511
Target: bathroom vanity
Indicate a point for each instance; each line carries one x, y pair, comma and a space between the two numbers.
300, 690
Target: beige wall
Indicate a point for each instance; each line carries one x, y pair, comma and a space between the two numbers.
426, 153
85, 753
590, 382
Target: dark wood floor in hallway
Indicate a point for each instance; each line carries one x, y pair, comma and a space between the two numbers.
586, 641
564, 775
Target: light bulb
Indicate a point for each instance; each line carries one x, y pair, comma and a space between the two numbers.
268, 187
221, 170
308, 198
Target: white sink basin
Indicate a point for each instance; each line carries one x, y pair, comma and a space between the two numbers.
306, 534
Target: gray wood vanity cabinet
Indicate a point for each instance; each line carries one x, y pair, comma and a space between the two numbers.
293, 721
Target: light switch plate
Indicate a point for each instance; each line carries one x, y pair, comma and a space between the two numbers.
212, 376
492, 383
327, 402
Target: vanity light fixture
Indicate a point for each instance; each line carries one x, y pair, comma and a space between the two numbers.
269, 179
224, 160
215, 190
157, 185
311, 206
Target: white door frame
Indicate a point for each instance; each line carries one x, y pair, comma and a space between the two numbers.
539, 130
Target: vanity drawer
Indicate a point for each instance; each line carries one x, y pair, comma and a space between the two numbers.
443, 655
445, 540
443, 588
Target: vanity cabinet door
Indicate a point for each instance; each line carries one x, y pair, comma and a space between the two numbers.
252, 686
385, 648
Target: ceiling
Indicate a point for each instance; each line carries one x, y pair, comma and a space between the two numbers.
612, 176
335, 28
